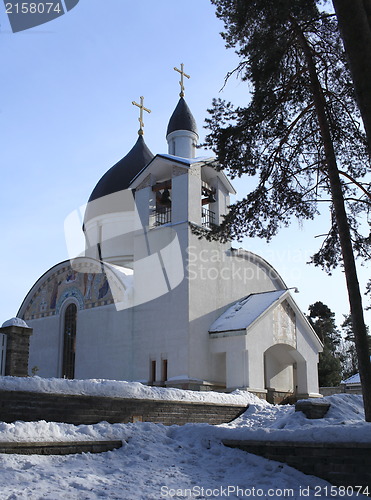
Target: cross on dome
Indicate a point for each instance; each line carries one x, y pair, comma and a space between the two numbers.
182, 75
141, 107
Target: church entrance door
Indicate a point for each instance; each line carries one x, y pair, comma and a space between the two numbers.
69, 342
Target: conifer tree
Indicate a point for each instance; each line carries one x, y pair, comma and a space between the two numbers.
348, 355
354, 20
300, 137
323, 321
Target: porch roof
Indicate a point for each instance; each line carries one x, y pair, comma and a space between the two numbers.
244, 312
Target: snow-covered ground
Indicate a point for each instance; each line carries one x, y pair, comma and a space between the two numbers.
174, 462
119, 389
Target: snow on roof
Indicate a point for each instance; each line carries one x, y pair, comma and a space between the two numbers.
15, 322
244, 312
354, 379
187, 161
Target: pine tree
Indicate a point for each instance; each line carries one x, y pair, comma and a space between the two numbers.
300, 137
323, 321
348, 355
354, 20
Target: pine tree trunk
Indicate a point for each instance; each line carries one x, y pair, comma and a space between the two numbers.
354, 294
354, 19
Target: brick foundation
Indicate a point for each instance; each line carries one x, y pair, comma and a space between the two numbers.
341, 464
32, 406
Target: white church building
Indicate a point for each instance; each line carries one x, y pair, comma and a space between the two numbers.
149, 301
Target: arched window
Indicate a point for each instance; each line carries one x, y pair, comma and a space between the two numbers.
69, 342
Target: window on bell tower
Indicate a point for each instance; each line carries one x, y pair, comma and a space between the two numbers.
162, 213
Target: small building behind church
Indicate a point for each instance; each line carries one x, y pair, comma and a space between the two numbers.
149, 301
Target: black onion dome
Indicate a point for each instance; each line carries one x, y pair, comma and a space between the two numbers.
182, 119
123, 172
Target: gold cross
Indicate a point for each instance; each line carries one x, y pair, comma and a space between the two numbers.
141, 107
181, 83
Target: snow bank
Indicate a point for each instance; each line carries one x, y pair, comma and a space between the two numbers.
178, 459
155, 462
122, 389
344, 422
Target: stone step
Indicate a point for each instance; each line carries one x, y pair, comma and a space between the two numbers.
58, 447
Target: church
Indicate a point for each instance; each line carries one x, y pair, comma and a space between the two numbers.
149, 301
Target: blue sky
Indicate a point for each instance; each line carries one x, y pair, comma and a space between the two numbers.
66, 117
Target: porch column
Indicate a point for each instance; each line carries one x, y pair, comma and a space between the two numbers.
17, 347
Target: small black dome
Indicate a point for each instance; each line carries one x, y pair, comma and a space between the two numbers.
123, 172
182, 119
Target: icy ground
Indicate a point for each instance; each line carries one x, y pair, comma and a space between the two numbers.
179, 461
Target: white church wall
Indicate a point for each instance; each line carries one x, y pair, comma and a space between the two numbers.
92, 238
234, 365
219, 207
179, 192
159, 261
218, 367
114, 233
161, 329
104, 343
258, 339
117, 239
182, 143
186, 186
45, 346
217, 279
109, 221
143, 202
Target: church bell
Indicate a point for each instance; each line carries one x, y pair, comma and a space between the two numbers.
211, 198
165, 198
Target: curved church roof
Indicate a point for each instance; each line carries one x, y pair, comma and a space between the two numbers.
182, 119
83, 281
119, 177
